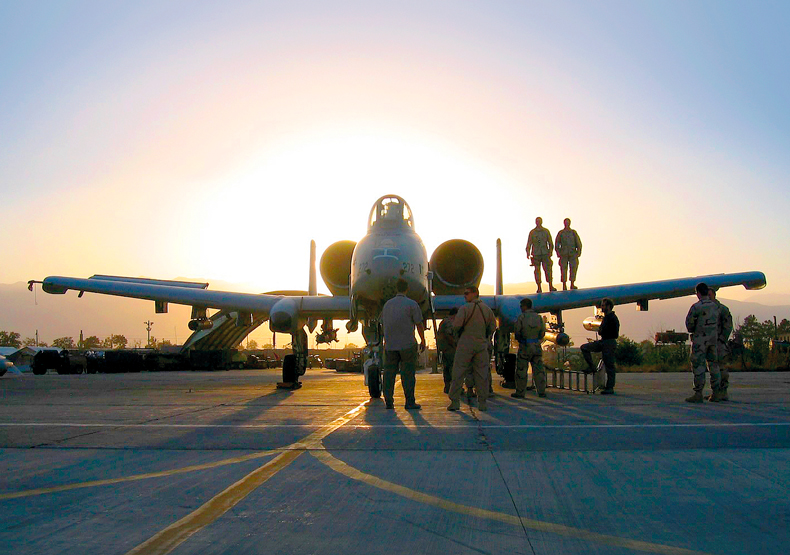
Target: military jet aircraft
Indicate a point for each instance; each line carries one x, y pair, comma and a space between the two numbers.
362, 277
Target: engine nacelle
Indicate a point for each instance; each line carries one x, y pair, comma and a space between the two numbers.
200, 324
456, 264
284, 316
335, 266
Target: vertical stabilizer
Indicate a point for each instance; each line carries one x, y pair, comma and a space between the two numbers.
312, 288
500, 287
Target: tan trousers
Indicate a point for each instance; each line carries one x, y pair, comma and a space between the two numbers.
538, 373
474, 360
565, 263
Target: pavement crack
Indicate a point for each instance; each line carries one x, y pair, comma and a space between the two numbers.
484, 439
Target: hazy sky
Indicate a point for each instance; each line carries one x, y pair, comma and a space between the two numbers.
214, 140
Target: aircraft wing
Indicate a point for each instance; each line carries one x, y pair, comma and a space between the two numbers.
197, 295
507, 306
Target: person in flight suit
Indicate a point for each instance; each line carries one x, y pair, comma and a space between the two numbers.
539, 247
475, 323
529, 331
702, 322
606, 345
399, 317
446, 342
724, 329
569, 249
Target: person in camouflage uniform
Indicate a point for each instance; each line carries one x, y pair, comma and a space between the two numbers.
702, 322
722, 349
539, 247
446, 343
529, 331
569, 249
474, 325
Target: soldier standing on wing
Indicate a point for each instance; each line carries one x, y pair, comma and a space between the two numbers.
539, 247
569, 249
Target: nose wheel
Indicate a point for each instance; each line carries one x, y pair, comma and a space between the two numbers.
374, 382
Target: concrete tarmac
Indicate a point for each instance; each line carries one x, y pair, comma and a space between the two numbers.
223, 462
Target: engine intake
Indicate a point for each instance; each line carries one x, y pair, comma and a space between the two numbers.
456, 264
336, 266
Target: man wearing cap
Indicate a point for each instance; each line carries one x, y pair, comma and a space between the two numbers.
529, 331
702, 322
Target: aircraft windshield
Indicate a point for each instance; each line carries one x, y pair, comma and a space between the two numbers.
391, 211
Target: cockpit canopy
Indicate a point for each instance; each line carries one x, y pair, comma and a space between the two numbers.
390, 211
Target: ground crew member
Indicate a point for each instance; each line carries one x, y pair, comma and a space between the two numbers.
529, 331
539, 247
606, 345
702, 322
399, 317
445, 343
569, 249
722, 346
475, 323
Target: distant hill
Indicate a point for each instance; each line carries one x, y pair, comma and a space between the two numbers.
102, 315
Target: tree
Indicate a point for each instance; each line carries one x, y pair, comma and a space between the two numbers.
64, 343
628, 352
351, 346
115, 342
91, 342
251, 345
756, 337
10, 339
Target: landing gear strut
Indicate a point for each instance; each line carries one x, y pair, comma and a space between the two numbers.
372, 366
294, 365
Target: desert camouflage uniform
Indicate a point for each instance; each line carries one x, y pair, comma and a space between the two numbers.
702, 323
539, 248
529, 331
471, 353
722, 350
569, 249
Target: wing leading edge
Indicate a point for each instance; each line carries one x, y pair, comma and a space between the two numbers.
188, 294
507, 306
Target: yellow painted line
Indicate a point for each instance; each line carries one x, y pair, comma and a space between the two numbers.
351, 472
111, 481
171, 537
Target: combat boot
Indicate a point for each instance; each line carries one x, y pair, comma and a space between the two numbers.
551, 287
723, 396
696, 398
564, 286
455, 405
540, 289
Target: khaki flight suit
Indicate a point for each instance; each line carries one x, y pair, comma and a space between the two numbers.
724, 331
539, 249
569, 249
702, 322
475, 323
529, 331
